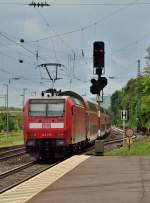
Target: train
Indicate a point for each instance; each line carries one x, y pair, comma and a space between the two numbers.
54, 126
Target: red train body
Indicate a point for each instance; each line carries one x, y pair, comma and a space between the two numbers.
57, 125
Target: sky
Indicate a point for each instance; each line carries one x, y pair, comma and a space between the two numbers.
64, 33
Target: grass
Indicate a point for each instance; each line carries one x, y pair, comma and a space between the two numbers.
139, 148
10, 139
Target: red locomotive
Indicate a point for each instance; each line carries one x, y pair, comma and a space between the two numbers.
57, 125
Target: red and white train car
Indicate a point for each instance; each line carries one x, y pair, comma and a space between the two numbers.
59, 124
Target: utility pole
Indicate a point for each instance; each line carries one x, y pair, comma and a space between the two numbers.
138, 96
23, 96
7, 118
139, 68
7, 98
33, 93
4, 97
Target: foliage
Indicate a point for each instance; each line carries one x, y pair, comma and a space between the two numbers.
14, 119
11, 139
135, 97
140, 148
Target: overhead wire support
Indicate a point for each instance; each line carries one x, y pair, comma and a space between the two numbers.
52, 64
34, 4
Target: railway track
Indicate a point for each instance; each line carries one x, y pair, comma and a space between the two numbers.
22, 173
109, 144
113, 141
16, 169
13, 177
26, 171
12, 153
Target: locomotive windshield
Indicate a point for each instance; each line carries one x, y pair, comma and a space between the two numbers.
47, 108
55, 108
37, 109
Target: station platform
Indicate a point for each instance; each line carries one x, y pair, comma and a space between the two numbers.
87, 179
102, 180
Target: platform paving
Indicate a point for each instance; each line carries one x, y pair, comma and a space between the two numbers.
102, 180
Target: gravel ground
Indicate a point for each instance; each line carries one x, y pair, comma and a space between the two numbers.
22, 175
14, 162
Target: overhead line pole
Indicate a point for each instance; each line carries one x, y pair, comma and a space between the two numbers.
23, 96
7, 117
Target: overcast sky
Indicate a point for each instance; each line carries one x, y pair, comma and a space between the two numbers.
64, 33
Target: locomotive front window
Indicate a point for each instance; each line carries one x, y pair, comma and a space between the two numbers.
55, 108
48, 107
37, 109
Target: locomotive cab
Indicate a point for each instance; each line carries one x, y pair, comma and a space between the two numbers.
45, 125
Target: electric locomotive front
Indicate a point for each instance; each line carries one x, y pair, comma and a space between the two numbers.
46, 124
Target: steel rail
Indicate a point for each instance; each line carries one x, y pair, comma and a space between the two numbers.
5, 155
15, 170
11, 150
29, 177
113, 141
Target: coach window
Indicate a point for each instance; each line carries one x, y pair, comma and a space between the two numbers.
77, 102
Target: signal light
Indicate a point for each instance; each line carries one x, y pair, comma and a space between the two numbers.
98, 85
98, 54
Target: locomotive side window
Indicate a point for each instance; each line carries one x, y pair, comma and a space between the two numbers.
55, 108
37, 109
76, 101
92, 107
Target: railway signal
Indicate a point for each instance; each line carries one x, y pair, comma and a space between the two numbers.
98, 85
98, 55
98, 65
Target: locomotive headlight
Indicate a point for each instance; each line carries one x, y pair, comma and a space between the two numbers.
59, 134
33, 134
30, 143
60, 142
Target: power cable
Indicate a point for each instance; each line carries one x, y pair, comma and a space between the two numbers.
20, 45
86, 26
61, 40
81, 4
132, 43
15, 58
50, 27
13, 3
100, 4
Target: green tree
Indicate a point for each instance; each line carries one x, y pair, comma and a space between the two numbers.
135, 98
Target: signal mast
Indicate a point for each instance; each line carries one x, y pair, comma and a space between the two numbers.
98, 69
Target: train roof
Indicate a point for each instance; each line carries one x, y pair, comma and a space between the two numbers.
65, 94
